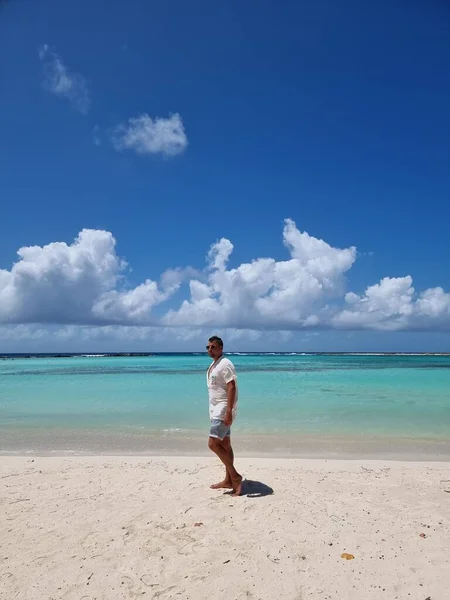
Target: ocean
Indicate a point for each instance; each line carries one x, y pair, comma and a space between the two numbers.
92, 402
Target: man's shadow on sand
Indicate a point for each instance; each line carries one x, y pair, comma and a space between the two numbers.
253, 489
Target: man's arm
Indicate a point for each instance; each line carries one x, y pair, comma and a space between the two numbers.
231, 397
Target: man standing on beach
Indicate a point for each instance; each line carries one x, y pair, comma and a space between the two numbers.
223, 395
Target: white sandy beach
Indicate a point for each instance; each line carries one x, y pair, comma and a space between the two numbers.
101, 528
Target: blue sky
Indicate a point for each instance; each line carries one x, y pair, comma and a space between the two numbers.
171, 126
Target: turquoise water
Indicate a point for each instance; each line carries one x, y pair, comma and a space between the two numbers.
397, 396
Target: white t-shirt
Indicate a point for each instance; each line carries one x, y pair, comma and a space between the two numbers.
217, 377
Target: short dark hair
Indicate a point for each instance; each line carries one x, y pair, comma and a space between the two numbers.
217, 339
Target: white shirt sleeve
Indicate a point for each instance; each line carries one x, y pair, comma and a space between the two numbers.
228, 373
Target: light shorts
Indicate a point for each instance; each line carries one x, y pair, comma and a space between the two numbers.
219, 430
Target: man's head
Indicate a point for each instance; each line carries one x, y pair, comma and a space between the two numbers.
215, 347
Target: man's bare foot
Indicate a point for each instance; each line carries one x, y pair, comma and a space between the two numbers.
227, 485
237, 486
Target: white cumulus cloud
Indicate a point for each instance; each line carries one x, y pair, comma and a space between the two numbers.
145, 135
62, 82
266, 293
393, 305
77, 283
385, 305
84, 284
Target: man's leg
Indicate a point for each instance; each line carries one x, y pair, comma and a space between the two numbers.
225, 453
226, 483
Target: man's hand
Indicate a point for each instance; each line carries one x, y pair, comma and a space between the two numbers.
228, 420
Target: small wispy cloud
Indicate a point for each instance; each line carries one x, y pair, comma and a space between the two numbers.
96, 136
145, 135
61, 82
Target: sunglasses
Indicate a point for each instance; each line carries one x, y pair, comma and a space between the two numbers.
211, 347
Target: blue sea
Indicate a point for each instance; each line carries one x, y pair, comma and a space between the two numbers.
386, 396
